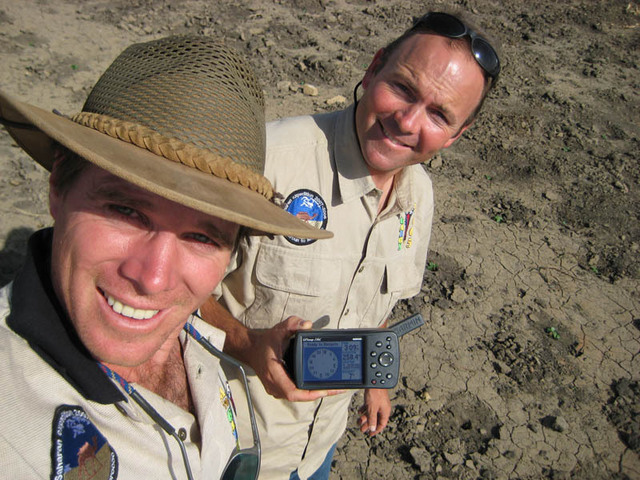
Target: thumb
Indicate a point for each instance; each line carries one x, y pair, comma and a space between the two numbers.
293, 324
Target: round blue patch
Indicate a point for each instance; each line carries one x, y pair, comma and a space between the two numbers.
306, 205
79, 449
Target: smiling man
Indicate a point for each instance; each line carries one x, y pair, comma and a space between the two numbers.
105, 371
358, 173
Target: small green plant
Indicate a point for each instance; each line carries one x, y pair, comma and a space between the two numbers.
498, 218
552, 332
488, 177
74, 66
432, 267
595, 270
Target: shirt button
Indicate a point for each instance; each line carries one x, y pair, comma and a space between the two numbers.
360, 270
346, 312
182, 434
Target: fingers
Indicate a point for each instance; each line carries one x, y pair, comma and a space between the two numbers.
293, 324
270, 346
372, 424
310, 395
277, 383
374, 414
283, 387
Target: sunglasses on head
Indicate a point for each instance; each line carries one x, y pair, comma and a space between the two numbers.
450, 26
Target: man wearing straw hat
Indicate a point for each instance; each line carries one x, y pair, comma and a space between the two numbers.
105, 371
357, 172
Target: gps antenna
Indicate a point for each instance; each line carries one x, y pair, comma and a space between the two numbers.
407, 325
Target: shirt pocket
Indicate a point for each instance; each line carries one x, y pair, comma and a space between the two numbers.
291, 282
401, 280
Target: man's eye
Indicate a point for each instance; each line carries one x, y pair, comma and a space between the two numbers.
401, 87
440, 116
201, 238
122, 210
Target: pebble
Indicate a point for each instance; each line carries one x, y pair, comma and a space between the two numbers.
421, 458
425, 396
283, 86
560, 425
453, 458
458, 295
557, 424
337, 100
310, 90
436, 162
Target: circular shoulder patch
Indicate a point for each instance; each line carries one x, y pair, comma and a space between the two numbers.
79, 449
306, 205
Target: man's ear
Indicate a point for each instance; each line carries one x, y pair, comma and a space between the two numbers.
373, 68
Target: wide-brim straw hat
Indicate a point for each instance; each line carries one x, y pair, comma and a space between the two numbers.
182, 117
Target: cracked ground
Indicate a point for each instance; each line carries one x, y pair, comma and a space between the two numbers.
528, 364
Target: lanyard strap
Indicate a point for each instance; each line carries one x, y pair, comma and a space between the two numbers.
148, 408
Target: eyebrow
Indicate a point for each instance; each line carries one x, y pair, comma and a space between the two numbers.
120, 192
117, 191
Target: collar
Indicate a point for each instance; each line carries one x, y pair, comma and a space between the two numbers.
354, 180
37, 316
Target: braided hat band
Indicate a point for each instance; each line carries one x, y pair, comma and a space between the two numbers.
189, 99
176, 151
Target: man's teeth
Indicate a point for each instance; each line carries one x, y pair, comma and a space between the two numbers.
128, 311
393, 140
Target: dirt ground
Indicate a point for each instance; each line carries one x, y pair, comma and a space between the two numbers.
528, 366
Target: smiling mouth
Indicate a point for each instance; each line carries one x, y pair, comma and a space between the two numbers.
128, 311
391, 138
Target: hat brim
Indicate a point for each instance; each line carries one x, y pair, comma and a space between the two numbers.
184, 185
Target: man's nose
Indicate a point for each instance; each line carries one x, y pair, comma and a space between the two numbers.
410, 118
152, 263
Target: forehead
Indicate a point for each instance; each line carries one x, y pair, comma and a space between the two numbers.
427, 49
438, 63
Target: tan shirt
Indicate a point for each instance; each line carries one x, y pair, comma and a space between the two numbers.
353, 279
32, 393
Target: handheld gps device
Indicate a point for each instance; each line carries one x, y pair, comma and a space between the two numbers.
349, 358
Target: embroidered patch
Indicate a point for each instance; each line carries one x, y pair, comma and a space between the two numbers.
226, 399
307, 205
79, 449
405, 232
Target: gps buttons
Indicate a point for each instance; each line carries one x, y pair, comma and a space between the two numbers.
385, 359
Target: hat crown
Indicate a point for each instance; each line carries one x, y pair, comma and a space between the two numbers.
191, 88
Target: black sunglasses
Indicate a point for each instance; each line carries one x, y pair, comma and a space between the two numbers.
452, 27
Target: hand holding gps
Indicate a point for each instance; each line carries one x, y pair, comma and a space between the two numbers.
347, 359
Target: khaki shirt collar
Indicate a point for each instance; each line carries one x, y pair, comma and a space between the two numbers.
37, 316
354, 180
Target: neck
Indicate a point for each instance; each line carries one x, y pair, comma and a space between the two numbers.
384, 182
163, 374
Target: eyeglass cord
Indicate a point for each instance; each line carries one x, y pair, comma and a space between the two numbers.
148, 408
209, 347
152, 412
159, 420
